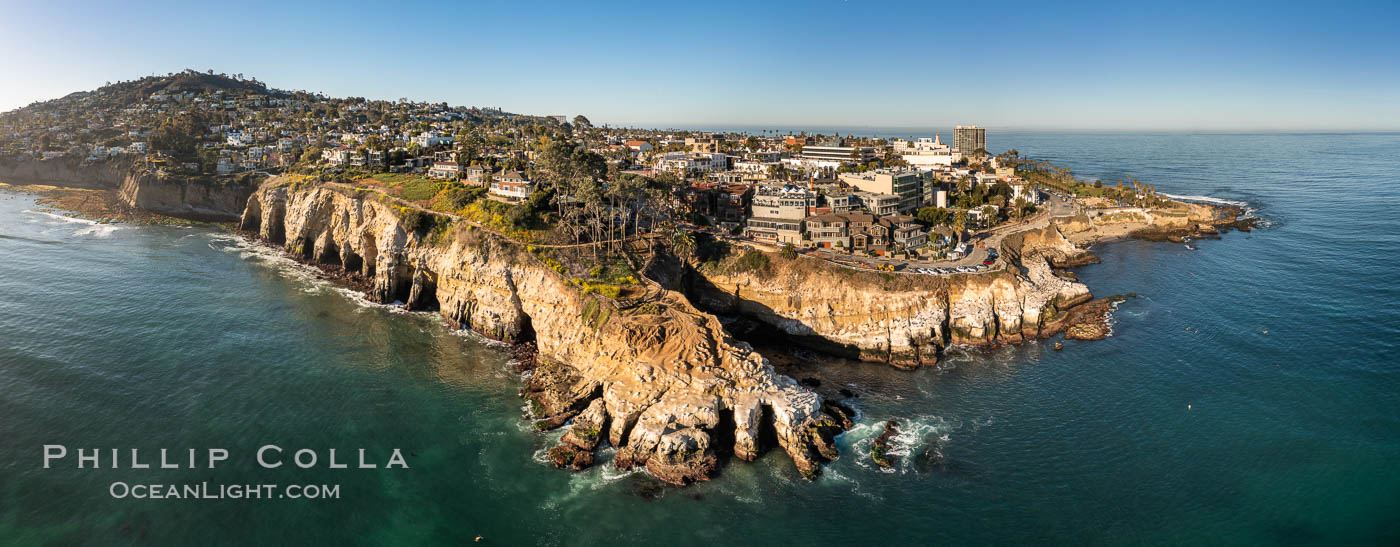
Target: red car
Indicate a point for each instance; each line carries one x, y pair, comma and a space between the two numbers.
988, 262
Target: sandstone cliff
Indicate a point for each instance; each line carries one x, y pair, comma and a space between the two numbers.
662, 381
217, 198
60, 172
199, 198
908, 319
903, 319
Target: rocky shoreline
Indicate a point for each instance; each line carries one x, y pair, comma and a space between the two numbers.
665, 383
118, 190
909, 320
662, 382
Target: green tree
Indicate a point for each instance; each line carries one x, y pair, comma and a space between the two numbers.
960, 224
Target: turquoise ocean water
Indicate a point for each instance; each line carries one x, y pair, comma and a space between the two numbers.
1249, 395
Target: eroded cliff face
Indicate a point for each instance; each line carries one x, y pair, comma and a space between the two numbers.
662, 381
907, 320
199, 198
902, 319
1180, 218
59, 172
196, 198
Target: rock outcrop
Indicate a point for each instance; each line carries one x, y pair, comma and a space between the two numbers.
215, 198
64, 172
663, 382
908, 319
903, 319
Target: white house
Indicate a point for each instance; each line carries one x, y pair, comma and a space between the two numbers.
429, 138
445, 170
336, 156
239, 138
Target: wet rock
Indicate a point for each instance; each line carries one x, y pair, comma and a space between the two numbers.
880, 447
683, 457
670, 370
748, 417
588, 426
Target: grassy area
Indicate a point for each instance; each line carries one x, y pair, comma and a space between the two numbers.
406, 185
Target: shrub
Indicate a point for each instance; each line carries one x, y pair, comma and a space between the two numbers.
752, 261
456, 197
413, 219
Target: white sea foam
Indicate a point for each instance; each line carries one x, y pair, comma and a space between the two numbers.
64, 218
90, 227
1205, 199
98, 230
915, 434
309, 276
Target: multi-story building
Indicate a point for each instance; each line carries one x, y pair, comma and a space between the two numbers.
866, 233
705, 144
430, 138
834, 156
925, 152
682, 163
731, 203
969, 139
1026, 192
445, 170
511, 186
828, 231
336, 156
476, 174
842, 203
907, 184
878, 204
905, 232
777, 213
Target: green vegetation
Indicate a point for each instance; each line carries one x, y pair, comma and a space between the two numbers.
752, 261
453, 197
605, 289
618, 272
413, 219
649, 308
1044, 173
596, 314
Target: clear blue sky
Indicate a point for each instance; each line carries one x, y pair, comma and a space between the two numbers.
1129, 65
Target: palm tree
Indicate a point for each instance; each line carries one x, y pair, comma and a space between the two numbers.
960, 224
684, 243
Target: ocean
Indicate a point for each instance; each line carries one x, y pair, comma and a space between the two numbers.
1249, 394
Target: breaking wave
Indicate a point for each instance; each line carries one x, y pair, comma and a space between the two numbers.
90, 227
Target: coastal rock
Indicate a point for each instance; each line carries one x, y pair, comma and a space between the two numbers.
748, 418
682, 457
198, 198
659, 383
1090, 321
880, 447
569, 456
902, 319
588, 426
205, 198
63, 172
